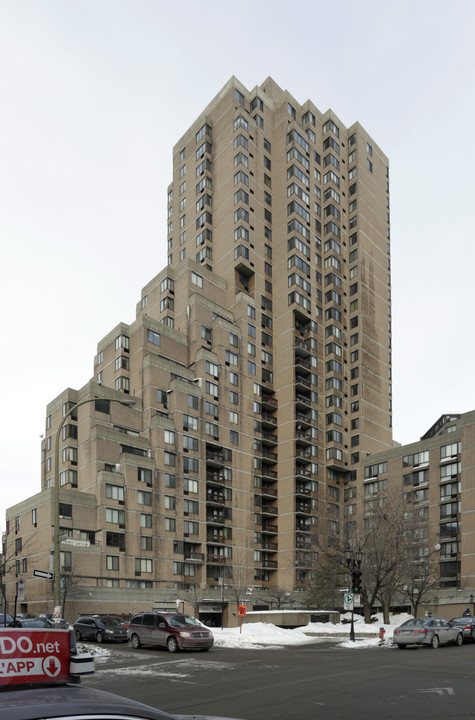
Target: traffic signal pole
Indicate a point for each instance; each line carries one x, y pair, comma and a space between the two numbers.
354, 559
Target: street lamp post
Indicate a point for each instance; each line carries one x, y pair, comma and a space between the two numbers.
56, 542
354, 560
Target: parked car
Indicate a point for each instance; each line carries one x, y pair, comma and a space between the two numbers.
5, 619
119, 618
173, 631
28, 623
466, 625
430, 631
99, 628
54, 622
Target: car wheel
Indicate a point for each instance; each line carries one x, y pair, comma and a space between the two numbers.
459, 639
434, 643
99, 638
172, 645
135, 642
402, 647
78, 635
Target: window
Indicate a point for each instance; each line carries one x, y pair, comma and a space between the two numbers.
145, 520
231, 358
168, 480
116, 516
169, 459
122, 383
190, 507
190, 443
112, 562
212, 368
196, 279
153, 337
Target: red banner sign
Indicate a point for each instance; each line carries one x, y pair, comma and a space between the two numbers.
33, 656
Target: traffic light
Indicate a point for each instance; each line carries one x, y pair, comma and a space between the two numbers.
356, 578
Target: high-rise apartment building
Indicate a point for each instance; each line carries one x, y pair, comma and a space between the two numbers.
259, 362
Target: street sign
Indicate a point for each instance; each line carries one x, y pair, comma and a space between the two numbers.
20, 590
43, 574
345, 590
242, 610
348, 601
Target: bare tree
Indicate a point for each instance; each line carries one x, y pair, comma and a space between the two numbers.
278, 597
419, 575
68, 581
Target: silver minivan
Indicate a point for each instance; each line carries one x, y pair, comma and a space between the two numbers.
173, 631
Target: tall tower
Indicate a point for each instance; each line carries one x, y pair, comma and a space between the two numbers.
291, 210
259, 362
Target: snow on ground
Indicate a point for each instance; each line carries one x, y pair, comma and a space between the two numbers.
265, 635
259, 635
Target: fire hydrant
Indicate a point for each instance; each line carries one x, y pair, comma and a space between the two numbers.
381, 635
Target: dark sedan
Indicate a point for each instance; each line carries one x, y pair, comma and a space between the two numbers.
46, 703
28, 623
99, 628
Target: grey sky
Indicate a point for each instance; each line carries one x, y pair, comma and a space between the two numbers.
94, 95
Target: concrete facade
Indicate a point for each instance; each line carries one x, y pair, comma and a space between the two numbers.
260, 363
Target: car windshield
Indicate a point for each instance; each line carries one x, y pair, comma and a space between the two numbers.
109, 622
415, 622
179, 620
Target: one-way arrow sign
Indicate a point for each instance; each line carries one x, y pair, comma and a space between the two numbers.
43, 574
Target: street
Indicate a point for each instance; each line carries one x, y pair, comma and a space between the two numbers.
299, 682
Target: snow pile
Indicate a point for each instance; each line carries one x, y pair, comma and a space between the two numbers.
259, 635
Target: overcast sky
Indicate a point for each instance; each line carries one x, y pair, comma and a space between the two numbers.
95, 93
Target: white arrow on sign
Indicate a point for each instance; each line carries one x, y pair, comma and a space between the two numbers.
43, 574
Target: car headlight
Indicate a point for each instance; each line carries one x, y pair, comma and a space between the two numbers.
185, 634
109, 632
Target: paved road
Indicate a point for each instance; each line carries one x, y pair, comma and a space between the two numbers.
303, 683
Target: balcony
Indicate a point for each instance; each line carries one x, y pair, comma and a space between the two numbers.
303, 490
302, 507
302, 383
270, 528
217, 518
268, 491
194, 557
266, 472
216, 479
303, 418
269, 438
213, 496
267, 419
220, 537
269, 402
269, 546
301, 347
302, 400
303, 436
270, 564
216, 559
268, 509
303, 471
217, 458
269, 456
